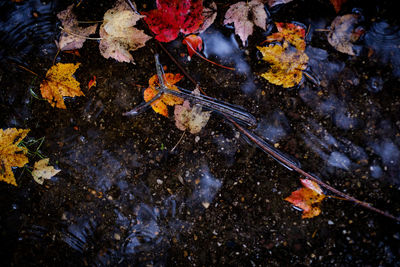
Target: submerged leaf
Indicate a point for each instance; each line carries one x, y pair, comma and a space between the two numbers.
59, 83
337, 4
118, 34
174, 16
292, 33
244, 15
10, 154
41, 171
287, 64
191, 118
344, 33
307, 198
160, 105
73, 36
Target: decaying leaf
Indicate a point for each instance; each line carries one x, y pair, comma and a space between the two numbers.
307, 198
292, 33
59, 83
344, 33
160, 105
244, 15
118, 34
10, 154
190, 118
209, 15
193, 42
73, 36
174, 16
42, 170
287, 64
337, 4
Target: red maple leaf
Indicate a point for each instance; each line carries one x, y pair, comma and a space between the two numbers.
174, 16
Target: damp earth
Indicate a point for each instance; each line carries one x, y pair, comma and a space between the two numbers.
135, 191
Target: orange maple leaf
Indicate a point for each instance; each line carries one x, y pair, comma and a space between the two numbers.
160, 105
307, 198
59, 83
290, 32
193, 42
10, 154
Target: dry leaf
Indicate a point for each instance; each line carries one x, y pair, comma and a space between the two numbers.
190, 118
307, 198
41, 171
160, 105
344, 33
59, 83
244, 15
287, 64
10, 154
74, 36
118, 34
209, 15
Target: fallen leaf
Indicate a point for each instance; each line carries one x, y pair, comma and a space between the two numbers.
11, 155
290, 32
337, 4
287, 64
160, 105
73, 36
307, 198
174, 16
118, 34
272, 3
92, 82
344, 33
244, 15
193, 42
190, 118
59, 83
73, 52
209, 15
42, 170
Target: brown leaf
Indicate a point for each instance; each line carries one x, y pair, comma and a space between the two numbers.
10, 154
337, 4
59, 83
344, 32
239, 14
209, 14
73, 36
118, 34
42, 171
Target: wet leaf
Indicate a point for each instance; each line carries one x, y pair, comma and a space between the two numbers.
174, 16
307, 198
337, 4
73, 36
209, 15
59, 83
287, 64
160, 105
10, 154
292, 33
42, 170
118, 34
92, 82
193, 42
344, 33
190, 118
244, 15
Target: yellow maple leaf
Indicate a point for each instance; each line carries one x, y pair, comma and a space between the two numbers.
41, 171
160, 105
59, 83
10, 154
287, 64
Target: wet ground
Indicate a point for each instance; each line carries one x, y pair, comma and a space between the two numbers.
131, 194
